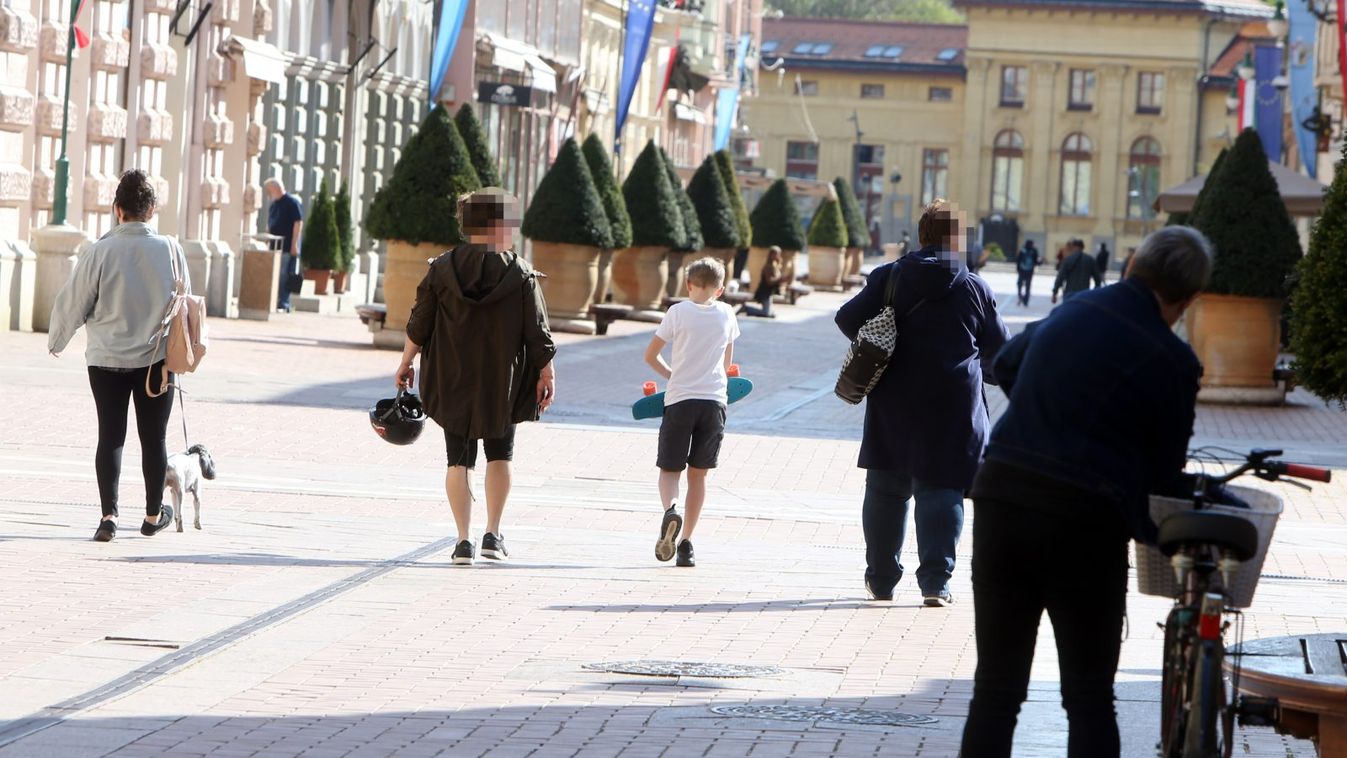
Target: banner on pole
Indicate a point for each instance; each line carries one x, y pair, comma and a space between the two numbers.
1267, 65
1304, 98
447, 29
727, 101
640, 25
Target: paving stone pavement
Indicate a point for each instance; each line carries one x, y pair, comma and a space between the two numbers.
317, 612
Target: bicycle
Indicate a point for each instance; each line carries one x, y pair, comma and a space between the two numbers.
1205, 546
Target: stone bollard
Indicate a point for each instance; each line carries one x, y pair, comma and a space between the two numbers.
17, 264
220, 299
369, 267
198, 256
57, 251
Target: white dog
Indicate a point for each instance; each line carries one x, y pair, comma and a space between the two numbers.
184, 475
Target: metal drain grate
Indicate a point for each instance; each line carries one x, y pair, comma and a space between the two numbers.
819, 713
685, 668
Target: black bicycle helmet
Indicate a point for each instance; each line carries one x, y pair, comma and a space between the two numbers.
400, 419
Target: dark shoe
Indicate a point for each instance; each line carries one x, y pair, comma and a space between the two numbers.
493, 546
464, 553
106, 531
870, 590
669, 528
165, 518
938, 601
685, 555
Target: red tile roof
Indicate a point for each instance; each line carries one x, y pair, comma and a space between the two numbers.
1251, 35
851, 39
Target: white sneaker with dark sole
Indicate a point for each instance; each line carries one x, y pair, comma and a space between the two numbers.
464, 554
669, 528
938, 601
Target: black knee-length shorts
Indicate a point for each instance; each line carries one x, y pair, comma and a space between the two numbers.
462, 451
690, 435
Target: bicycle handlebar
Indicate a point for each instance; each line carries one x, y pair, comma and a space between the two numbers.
1313, 473
1262, 463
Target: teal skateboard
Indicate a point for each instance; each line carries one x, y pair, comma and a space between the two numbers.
652, 405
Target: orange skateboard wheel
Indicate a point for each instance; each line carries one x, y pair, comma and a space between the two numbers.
649, 389
733, 370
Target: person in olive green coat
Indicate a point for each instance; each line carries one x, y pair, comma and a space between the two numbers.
480, 326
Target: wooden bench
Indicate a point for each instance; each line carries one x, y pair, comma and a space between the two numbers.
372, 314
670, 302
855, 280
797, 291
736, 299
1308, 676
606, 313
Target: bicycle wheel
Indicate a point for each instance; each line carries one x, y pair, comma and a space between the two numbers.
1173, 673
1204, 734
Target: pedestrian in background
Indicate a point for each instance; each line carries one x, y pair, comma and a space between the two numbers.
285, 219
1127, 262
1026, 263
1066, 483
1102, 259
926, 420
1076, 272
769, 285
480, 325
119, 291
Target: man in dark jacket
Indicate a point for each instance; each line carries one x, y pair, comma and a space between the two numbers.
1102, 259
1066, 483
1026, 263
926, 420
1076, 272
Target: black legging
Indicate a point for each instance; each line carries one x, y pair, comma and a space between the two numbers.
112, 389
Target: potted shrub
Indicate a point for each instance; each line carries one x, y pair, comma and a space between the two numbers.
601, 171
1235, 325
776, 221
725, 162
715, 213
474, 139
416, 212
692, 230
568, 227
1319, 305
827, 245
341, 207
858, 234
641, 273
321, 249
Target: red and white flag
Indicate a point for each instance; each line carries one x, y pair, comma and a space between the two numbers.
1247, 90
81, 38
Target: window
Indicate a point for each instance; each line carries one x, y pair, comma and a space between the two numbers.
1082, 90
893, 51
802, 160
948, 54
812, 48
806, 88
934, 175
1014, 86
940, 94
1007, 170
770, 46
1076, 165
874, 51
1150, 92
804, 48
872, 91
1143, 178
822, 49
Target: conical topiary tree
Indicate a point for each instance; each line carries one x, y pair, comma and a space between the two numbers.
827, 227
341, 208
655, 218
474, 138
715, 213
858, 235
1319, 305
692, 230
419, 204
1187, 218
1242, 213
566, 208
321, 250
601, 170
725, 162
776, 220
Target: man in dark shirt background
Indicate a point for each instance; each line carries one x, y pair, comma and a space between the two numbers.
1077, 272
285, 218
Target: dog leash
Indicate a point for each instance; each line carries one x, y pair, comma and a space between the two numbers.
182, 414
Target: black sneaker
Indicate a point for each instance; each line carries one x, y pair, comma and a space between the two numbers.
165, 518
870, 590
464, 553
106, 531
669, 528
493, 546
685, 555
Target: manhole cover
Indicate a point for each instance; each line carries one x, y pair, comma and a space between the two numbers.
685, 668
818, 713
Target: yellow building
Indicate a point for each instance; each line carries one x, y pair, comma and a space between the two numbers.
1061, 119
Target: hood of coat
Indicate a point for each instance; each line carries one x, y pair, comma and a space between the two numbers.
932, 272
479, 276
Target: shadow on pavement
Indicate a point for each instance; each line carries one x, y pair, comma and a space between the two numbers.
813, 604
274, 559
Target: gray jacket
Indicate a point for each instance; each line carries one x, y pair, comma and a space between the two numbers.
119, 289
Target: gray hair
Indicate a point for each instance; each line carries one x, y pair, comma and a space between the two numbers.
273, 181
1174, 262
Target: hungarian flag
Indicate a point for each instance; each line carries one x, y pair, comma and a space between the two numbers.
81, 38
1247, 99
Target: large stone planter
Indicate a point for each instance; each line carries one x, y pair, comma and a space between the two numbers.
757, 258
640, 275
827, 266
605, 279
854, 257
403, 272
675, 285
1237, 340
788, 273
572, 275
726, 256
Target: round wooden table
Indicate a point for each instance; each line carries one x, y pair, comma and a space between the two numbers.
1308, 676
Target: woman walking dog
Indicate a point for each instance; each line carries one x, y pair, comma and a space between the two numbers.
480, 324
119, 291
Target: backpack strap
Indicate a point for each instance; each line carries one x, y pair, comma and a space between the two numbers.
175, 304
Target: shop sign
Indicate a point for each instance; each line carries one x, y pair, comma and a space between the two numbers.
499, 93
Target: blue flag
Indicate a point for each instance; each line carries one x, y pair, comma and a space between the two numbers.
446, 37
1267, 65
635, 43
727, 101
1303, 95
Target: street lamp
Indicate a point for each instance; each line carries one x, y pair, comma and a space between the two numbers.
1245, 68
62, 163
1277, 26
1232, 99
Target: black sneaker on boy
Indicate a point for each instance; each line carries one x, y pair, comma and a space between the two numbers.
493, 546
464, 553
685, 555
669, 527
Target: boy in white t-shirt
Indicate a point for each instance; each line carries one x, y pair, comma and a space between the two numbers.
702, 331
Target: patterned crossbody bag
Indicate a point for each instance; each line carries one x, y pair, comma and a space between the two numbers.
869, 354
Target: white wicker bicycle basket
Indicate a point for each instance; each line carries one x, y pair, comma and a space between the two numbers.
1155, 574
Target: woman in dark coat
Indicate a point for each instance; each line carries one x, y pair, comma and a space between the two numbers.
926, 420
480, 324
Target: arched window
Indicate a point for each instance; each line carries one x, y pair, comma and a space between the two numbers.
1143, 178
1007, 170
1077, 157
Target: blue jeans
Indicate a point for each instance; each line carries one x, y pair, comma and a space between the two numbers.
289, 268
939, 517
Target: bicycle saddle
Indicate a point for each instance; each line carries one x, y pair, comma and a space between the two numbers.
1232, 533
